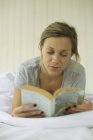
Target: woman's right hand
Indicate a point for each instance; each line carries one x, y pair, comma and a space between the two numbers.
26, 112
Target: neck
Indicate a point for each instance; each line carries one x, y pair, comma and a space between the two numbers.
45, 74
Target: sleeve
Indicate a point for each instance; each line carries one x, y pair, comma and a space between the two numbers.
80, 79
20, 78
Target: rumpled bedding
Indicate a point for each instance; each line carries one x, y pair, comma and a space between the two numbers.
84, 119
8, 132
77, 126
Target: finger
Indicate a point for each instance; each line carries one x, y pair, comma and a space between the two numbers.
80, 108
28, 114
87, 105
23, 108
37, 116
74, 109
27, 107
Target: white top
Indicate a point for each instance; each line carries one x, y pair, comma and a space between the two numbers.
28, 73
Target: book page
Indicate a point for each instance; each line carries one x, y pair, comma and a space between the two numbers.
67, 98
43, 103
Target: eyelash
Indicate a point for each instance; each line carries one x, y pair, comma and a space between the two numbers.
50, 52
60, 54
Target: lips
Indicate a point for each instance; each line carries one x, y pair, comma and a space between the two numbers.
54, 67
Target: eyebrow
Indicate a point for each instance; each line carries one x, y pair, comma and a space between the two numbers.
63, 50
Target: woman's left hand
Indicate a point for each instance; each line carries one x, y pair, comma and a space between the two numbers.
85, 106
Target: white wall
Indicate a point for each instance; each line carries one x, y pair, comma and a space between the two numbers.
22, 21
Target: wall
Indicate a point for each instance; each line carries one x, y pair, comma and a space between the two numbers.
22, 21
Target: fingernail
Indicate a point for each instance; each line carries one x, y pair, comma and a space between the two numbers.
69, 107
74, 106
41, 112
34, 105
66, 109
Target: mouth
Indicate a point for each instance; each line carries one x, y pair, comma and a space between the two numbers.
55, 67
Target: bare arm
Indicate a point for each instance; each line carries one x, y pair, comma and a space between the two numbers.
16, 99
19, 110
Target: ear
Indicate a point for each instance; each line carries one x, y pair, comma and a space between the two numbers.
72, 54
40, 51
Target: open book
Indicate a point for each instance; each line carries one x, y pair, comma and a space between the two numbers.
51, 104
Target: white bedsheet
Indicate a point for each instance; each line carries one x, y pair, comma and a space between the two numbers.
75, 126
84, 119
18, 133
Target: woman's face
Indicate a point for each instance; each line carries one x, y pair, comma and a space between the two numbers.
55, 55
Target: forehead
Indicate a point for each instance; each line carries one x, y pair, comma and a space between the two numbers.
58, 43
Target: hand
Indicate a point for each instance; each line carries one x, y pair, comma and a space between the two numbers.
25, 111
85, 106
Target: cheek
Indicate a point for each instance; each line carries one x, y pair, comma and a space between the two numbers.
65, 61
45, 58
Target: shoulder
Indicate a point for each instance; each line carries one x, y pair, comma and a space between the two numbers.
75, 72
75, 75
31, 64
28, 73
75, 67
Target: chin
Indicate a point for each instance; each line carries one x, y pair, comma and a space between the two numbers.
54, 74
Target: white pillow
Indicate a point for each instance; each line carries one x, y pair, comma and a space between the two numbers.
7, 83
6, 103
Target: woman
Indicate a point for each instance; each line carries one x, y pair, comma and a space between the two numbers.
52, 70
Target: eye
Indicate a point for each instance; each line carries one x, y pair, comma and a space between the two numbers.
63, 55
50, 52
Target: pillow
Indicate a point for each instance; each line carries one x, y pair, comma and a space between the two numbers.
6, 91
7, 83
6, 103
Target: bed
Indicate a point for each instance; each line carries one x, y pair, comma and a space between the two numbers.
78, 126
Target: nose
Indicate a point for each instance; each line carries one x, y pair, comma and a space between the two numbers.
55, 58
